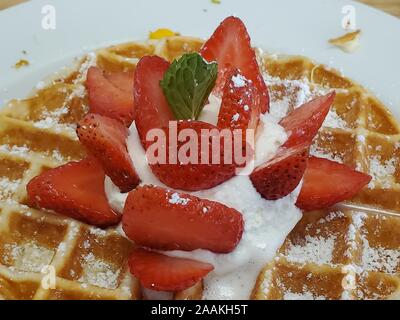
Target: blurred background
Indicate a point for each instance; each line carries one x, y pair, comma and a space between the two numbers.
390, 6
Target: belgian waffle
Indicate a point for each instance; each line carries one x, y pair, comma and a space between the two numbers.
39, 133
336, 254
352, 252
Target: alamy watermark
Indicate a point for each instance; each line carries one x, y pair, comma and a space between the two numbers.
213, 146
49, 17
349, 20
49, 277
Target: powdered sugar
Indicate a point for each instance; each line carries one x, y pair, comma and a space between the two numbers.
46, 123
176, 199
97, 232
29, 256
318, 250
379, 258
15, 150
317, 151
8, 187
373, 258
297, 92
333, 120
235, 117
291, 95
99, 273
57, 156
52, 119
381, 172
239, 81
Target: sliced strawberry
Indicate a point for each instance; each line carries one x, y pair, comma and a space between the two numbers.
240, 107
111, 95
162, 273
152, 109
327, 183
165, 220
105, 138
123, 81
196, 174
75, 190
281, 175
230, 46
303, 123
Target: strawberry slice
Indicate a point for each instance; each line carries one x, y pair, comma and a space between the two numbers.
303, 123
197, 173
281, 175
162, 273
75, 190
327, 183
152, 109
122, 80
105, 138
111, 94
165, 220
230, 46
240, 107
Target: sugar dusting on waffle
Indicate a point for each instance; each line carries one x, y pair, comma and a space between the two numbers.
39, 133
308, 266
381, 171
29, 256
8, 187
317, 250
315, 264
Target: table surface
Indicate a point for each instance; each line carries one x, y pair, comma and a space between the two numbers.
390, 6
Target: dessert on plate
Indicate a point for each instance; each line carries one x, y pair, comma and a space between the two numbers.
98, 200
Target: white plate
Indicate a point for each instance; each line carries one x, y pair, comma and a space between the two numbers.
284, 26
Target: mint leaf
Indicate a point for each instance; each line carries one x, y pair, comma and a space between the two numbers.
187, 85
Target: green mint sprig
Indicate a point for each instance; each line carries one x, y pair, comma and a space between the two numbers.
187, 84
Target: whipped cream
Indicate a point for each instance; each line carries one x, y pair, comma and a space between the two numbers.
266, 223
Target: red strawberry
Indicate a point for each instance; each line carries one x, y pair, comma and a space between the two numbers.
123, 81
162, 273
105, 138
75, 190
327, 183
240, 107
303, 123
111, 95
165, 220
199, 174
230, 46
152, 109
281, 175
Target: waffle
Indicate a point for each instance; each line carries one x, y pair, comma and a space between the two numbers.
88, 263
341, 253
38, 134
350, 252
